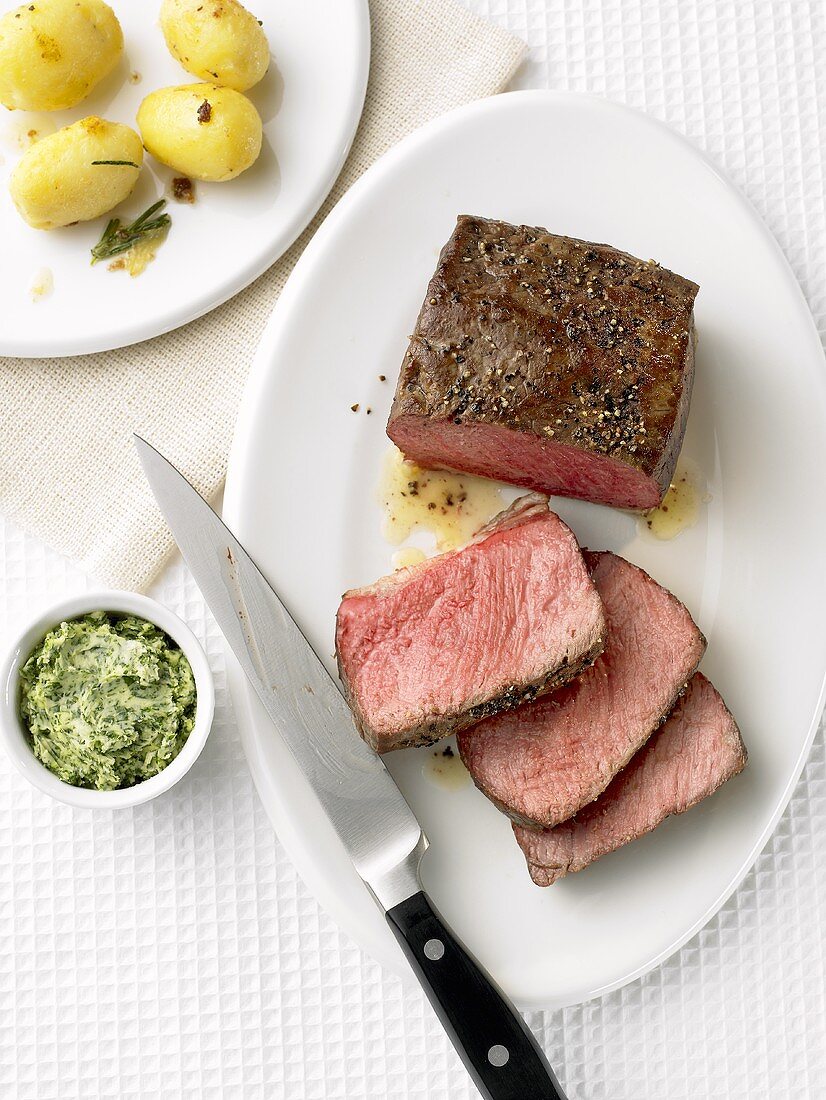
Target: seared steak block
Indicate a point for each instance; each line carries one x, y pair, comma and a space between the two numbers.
692, 754
549, 362
435, 647
548, 759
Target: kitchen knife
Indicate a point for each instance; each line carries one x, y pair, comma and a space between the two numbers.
367, 810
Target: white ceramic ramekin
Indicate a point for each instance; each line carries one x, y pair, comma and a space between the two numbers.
13, 733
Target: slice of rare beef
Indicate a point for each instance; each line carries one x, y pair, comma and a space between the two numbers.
437, 646
549, 362
546, 760
694, 752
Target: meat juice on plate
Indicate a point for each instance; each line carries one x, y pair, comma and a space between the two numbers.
20, 133
680, 508
444, 768
451, 507
407, 556
42, 284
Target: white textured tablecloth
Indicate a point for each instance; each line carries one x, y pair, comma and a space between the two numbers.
171, 952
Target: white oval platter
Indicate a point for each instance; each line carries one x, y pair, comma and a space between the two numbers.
302, 497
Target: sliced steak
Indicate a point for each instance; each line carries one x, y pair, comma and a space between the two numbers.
435, 647
693, 753
549, 362
546, 760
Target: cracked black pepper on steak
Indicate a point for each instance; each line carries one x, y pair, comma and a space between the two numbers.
549, 362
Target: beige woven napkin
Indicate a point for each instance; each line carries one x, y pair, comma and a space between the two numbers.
67, 469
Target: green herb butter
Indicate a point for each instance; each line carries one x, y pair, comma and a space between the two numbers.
108, 700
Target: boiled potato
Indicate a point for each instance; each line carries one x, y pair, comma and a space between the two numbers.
202, 131
60, 180
53, 52
216, 40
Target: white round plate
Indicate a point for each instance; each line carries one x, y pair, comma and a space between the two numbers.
302, 498
310, 102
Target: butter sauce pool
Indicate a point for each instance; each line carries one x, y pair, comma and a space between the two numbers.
451, 507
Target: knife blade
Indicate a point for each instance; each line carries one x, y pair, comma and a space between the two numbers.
300, 697
367, 810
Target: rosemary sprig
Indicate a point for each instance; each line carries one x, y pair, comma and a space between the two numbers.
117, 238
130, 163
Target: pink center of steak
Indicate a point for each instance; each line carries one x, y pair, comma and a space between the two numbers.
524, 459
694, 752
466, 627
544, 761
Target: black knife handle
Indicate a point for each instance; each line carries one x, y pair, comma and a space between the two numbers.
496, 1045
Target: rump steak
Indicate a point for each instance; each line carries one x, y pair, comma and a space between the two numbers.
546, 760
693, 753
437, 646
549, 362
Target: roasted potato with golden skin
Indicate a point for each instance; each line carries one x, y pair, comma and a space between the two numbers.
54, 52
61, 179
216, 40
202, 131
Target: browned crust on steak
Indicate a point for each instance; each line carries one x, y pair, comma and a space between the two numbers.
435, 730
569, 341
